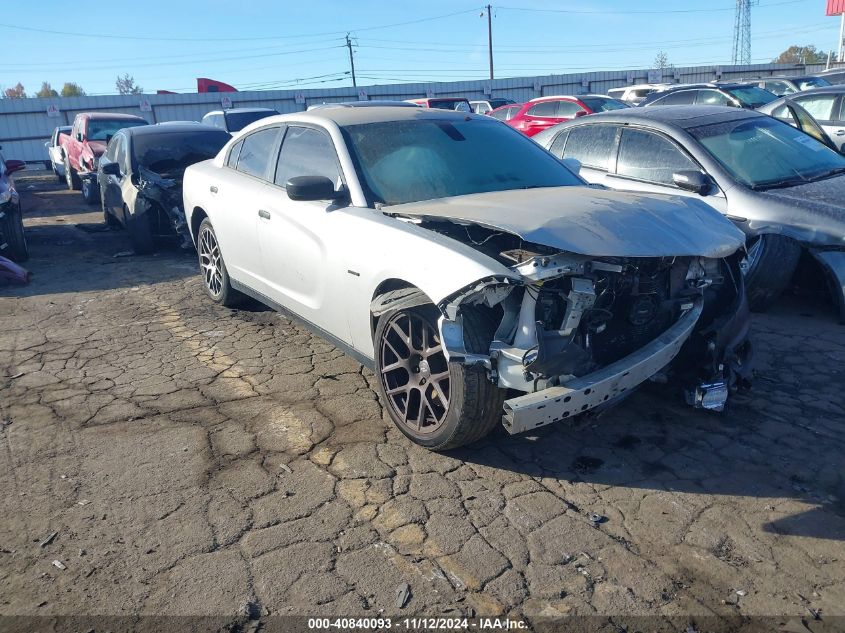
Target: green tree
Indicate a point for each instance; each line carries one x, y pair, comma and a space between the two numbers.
801, 55
15, 93
71, 89
126, 85
46, 91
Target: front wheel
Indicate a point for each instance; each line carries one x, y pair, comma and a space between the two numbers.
90, 191
436, 404
140, 232
213, 268
768, 268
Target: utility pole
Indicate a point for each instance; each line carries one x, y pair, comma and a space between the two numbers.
351, 60
490, 37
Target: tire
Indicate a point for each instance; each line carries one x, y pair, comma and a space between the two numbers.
108, 219
770, 270
90, 191
11, 228
59, 177
140, 233
473, 404
74, 182
215, 276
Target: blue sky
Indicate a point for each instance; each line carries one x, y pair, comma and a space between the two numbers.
258, 44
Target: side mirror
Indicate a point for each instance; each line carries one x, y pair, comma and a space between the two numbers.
695, 181
581, 113
110, 169
573, 164
304, 188
15, 165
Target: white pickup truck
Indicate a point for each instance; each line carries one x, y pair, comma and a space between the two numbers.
54, 149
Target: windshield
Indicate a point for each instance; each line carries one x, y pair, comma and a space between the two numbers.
763, 152
236, 121
603, 104
103, 129
498, 103
752, 96
408, 161
805, 83
163, 152
462, 105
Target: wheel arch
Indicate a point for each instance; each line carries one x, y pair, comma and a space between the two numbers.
198, 214
413, 297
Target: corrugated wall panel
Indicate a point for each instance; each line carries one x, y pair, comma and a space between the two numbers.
24, 124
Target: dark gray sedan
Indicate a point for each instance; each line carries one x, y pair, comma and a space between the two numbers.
782, 187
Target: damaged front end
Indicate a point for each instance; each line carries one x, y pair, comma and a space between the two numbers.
162, 197
580, 333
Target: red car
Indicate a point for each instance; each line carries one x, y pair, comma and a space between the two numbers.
544, 112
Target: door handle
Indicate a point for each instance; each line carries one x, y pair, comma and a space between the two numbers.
264, 214
212, 189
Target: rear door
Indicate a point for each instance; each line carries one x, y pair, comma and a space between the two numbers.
239, 192
826, 109
594, 146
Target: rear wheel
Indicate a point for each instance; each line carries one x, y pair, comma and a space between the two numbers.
12, 233
213, 268
437, 404
768, 268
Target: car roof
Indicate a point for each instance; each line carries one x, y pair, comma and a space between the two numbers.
170, 128
363, 104
237, 110
684, 116
377, 114
112, 116
823, 90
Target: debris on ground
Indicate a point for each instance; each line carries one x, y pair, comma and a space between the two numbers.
52, 536
285, 468
11, 273
596, 519
741, 592
403, 595
124, 254
59, 564
83, 502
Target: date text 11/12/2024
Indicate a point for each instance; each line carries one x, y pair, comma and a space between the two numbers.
416, 624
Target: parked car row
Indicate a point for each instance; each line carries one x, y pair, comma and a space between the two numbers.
486, 277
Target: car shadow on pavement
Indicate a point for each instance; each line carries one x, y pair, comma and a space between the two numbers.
654, 443
71, 249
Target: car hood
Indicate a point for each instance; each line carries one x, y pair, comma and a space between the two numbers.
825, 197
592, 222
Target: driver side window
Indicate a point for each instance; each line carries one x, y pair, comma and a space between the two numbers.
307, 152
649, 157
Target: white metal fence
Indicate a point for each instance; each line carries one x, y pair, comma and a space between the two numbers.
25, 124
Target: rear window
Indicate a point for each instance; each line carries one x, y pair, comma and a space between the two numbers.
174, 150
103, 129
592, 145
682, 97
752, 96
237, 121
603, 104
255, 152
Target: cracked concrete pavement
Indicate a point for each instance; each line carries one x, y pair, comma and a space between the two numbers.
198, 460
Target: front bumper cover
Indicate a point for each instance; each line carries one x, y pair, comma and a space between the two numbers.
551, 405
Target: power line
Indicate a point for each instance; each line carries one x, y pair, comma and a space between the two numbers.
231, 39
646, 12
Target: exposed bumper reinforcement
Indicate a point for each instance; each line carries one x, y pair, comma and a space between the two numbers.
582, 394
